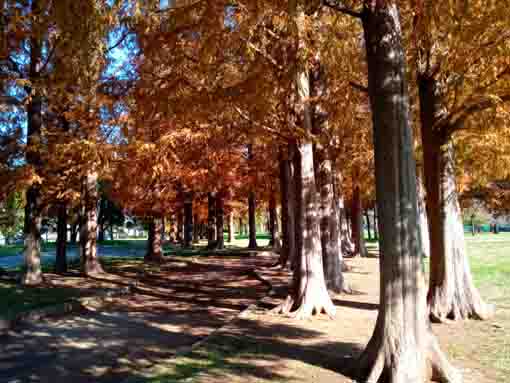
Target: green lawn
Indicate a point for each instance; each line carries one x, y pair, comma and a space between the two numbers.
10, 250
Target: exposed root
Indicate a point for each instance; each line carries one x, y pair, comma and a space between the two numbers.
444, 310
32, 279
285, 307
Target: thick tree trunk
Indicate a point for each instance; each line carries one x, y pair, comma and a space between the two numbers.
220, 241
402, 344
33, 208
230, 227
252, 229
154, 249
332, 256
88, 230
310, 294
61, 258
188, 219
211, 220
452, 293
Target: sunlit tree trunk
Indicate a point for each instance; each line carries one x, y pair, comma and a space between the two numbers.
402, 345
154, 244
309, 292
33, 208
358, 236
61, 258
230, 218
423, 219
452, 293
88, 230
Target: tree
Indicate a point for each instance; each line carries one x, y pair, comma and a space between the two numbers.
455, 94
402, 343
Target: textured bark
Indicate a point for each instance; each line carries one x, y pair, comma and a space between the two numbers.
310, 294
154, 249
332, 256
345, 239
452, 293
220, 240
402, 343
61, 258
88, 231
230, 227
33, 207
180, 225
188, 219
211, 220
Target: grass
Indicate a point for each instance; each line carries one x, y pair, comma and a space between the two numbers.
16, 299
10, 250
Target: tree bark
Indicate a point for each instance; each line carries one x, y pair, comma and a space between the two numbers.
61, 258
357, 224
196, 229
180, 224
74, 232
287, 201
309, 294
369, 227
272, 221
230, 227
211, 220
188, 219
154, 244
423, 219
402, 343
33, 208
220, 240
88, 231
452, 293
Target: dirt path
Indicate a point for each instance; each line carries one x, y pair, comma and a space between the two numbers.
263, 348
174, 305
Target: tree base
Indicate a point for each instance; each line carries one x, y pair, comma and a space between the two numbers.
306, 307
410, 364
32, 278
92, 270
443, 309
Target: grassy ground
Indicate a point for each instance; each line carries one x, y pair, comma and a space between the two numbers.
10, 250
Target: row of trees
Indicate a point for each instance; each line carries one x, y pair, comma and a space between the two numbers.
221, 104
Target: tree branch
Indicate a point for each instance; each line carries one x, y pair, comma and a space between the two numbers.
337, 6
361, 88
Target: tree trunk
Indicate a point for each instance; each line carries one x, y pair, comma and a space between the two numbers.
196, 229
240, 231
252, 244
100, 233
180, 224
33, 208
402, 343
358, 236
345, 238
61, 259
154, 248
220, 241
287, 201
74, 232
310, 294
473, 229
230, 227
452, 293
272, 221
369, 228
376, 223
211, 220
88, 230
423, 220
188, 219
